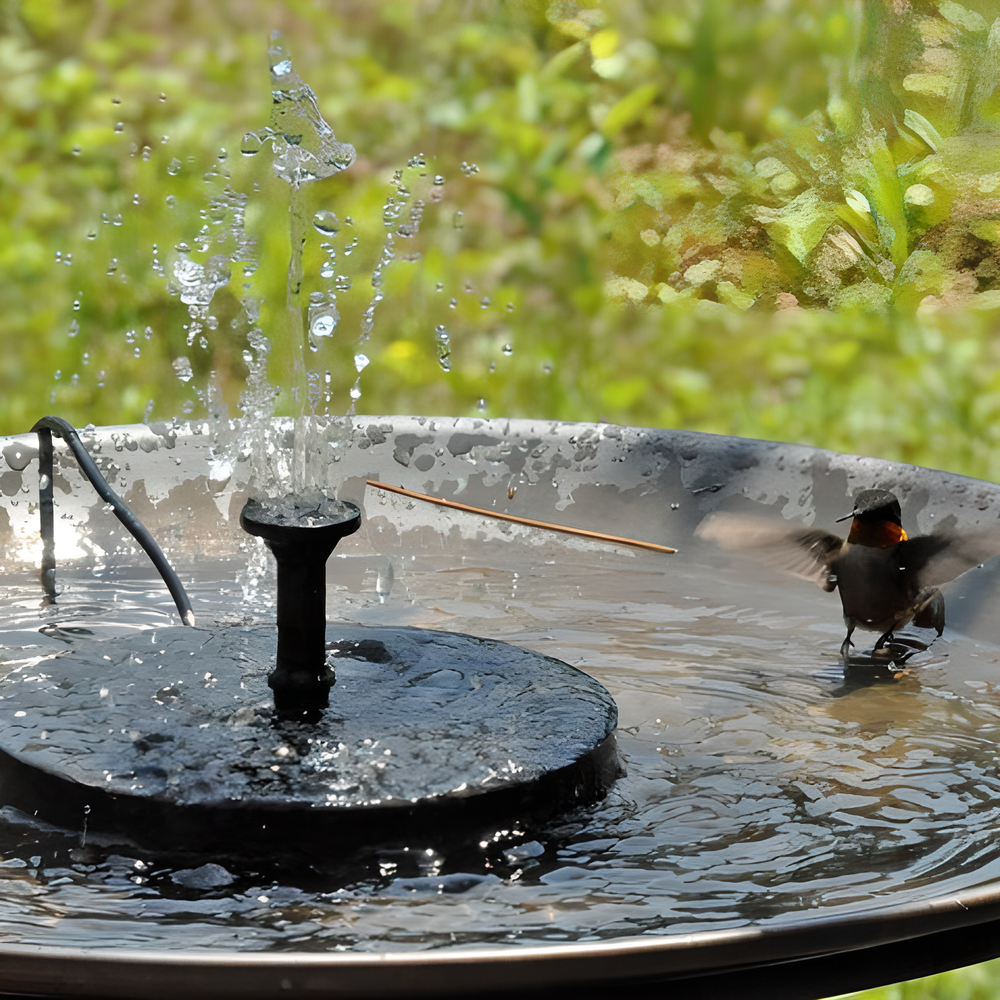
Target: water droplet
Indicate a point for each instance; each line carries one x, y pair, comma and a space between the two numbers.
203, 343
438, 180
547, 368
327, 270
453, 304
137, 352
484, 302
91, 235
222, 155
509, 307
76, 305
355, 391
164, 139
469, 169
481, 405
136, 199
174, 167
348, 221
441, 334
58, 374
116, 220
282, 68
323, 317
508, 350
116, 100
112, 265
326, 223
101, 377
445, 363
361, 362
439, 287
342, 283
458, 219
74, 328
77, 150
148, 332
147, 152
171, 201
130, 336
120, 126
163, 96
104, 218
251, 144
349, 249
322, 326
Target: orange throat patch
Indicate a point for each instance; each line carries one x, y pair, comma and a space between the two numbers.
876, 534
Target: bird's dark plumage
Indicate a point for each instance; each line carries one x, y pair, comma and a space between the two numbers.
886, 580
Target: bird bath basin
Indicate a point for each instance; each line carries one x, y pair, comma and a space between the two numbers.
780, 828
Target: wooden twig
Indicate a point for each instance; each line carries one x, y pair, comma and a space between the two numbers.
597, 536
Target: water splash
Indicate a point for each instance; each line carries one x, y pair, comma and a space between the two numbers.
443, 341
304, 149
182, 368
402, 214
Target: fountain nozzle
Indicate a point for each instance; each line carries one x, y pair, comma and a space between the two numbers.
302, 533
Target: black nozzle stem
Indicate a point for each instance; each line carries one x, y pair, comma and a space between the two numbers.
302, 537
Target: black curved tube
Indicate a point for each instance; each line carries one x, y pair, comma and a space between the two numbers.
45, 429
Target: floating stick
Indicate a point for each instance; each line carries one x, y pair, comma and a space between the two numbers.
527, 521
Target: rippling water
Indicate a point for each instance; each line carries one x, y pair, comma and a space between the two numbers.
760, 782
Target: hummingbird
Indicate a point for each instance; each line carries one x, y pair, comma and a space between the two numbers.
886, 579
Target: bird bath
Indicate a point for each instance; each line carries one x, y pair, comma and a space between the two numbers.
779, 828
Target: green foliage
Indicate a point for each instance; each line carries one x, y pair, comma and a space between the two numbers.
978, 982
725, 216
711, 215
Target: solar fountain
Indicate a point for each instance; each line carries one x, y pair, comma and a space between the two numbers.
416, 791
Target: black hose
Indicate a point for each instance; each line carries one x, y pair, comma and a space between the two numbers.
45, 429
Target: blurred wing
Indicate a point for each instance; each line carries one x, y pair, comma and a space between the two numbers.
936, 559
804, 552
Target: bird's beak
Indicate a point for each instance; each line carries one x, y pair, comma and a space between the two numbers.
846, 517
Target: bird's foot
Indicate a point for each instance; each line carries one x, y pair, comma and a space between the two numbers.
884, 640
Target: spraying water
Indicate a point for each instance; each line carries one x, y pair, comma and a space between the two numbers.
304, 149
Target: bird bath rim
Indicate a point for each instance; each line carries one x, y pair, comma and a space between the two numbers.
638, 959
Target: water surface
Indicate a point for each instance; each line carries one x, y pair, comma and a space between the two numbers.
760, 783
